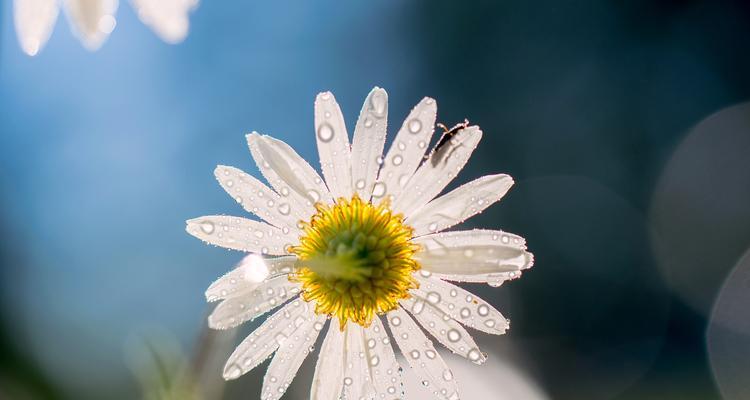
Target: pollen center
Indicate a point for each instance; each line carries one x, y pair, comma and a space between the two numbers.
355, 260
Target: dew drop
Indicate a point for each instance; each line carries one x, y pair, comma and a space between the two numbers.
465, 313
285, 191
374, 361
378, 104
368, 123
397, 160
360, 184
422, 144
417, 307
371, 343
433, 297
433, 227
415, 126
414, 354
454, 335
325, 132
314, 196
401, 146
469, 253
448, 375
430, 354
230, 183
207, 227
396, 321
475, 356
348, 381
379, 160
490, 323
284, 208
483, 310
379, 189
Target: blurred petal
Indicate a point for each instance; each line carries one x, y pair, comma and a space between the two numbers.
460, 204
438, 170
447, 331
267, 296
92, 20
408, 149
288, 173
333, 145
262, 342
240, 234
328, 379
475, 252
259, 199
421, 355
34, 21
167, 18
368, 142
462, 306
292, 352
248, 275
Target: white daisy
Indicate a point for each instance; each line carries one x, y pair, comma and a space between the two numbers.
93, 20
361, 245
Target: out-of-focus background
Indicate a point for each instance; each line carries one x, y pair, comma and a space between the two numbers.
626, 126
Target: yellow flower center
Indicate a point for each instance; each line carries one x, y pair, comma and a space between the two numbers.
355, 260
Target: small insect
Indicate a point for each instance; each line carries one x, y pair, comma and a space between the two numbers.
448, 134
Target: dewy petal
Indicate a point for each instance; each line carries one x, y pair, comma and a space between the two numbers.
357, 382
328, 379
267, 296
259, 199
292, 352
438, 170
460, 204
240, 234
408, 149
34, 20
333, 145
421, 355
92, 20
288, 173
262, 342
447, 331
476, 252
462, 306
247, 276
383, 367
368, 142
167, 18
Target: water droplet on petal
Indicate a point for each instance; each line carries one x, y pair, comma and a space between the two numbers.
325, 132
448, 375
433, 297
284, 208
397, 160
415, 126
483, 310
414, 354
465, 313
360, 184
417, 307
368, 123
378, 103
454, 335
379, 189
207, 227
396, 321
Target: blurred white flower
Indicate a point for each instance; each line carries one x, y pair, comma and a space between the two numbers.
362, 244
93, 20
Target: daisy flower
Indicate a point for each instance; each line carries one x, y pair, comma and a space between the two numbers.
93, 20
362, 247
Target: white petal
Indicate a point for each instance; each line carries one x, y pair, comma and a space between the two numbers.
92, 20
440, 325
262, 342
368, 142
267, 296
292, 352
167, 18
477, 252
438, 170
357, 382
383, 367
333, 145
423, 359
328, 379
259, 199
462, 306
460, 204
288, 173
34, 20
248, 275
240, 234
408, 149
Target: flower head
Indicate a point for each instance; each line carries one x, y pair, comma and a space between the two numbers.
364, 244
